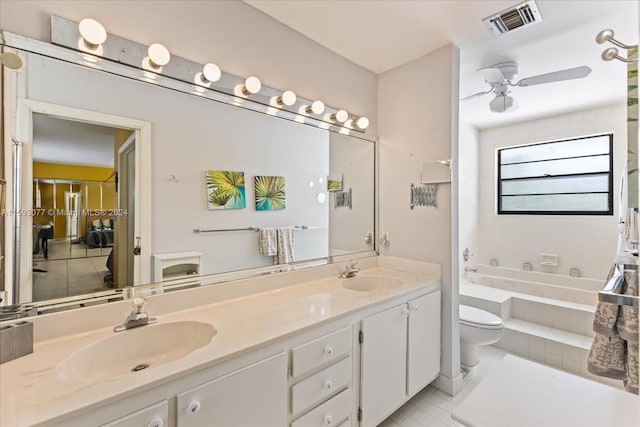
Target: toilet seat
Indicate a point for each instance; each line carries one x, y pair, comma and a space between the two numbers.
476, 318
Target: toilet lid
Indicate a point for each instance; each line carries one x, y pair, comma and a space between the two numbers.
477, 318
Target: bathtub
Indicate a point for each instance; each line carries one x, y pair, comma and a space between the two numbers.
580, 290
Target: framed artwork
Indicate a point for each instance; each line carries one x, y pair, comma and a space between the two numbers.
270, 194
225, 190
334, 182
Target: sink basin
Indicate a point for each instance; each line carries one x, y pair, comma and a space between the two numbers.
135, 350
371, 283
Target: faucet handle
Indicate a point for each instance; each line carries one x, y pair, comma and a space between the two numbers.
138, 304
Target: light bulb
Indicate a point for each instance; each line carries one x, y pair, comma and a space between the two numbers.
362, 123
316, 107
158, 55
287, 98
92, 32
211, 73
340, 116
252, 85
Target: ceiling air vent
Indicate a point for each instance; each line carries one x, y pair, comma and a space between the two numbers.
519, 16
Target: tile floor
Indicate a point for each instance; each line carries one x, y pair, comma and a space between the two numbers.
432, 407
67, 277
63, 249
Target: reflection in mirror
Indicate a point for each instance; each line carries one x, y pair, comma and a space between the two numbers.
79, 226
74, 201
225, 171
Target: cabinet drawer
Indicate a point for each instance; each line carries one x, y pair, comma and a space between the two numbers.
324, 349
152, 416
318, 386
331, 413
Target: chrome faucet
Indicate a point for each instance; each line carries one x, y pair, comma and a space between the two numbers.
471, 269
350, 271
137, 317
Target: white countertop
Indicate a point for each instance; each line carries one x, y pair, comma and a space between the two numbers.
32, 391
520, 392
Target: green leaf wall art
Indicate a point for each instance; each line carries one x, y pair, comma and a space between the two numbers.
270, 195
225, 190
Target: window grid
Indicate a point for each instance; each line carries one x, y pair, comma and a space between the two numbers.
550, 177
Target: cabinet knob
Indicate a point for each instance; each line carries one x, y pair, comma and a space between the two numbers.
328, 350
414, 308
194, 407
328, 385
328, 419
405, 312
156, 422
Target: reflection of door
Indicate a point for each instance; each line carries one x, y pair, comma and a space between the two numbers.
126, 229
19, 159
72, 213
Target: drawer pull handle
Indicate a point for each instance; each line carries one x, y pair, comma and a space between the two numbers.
156, 422
194, 407
328, 385
328, 420
328, 350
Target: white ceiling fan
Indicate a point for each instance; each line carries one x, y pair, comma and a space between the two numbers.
502, 75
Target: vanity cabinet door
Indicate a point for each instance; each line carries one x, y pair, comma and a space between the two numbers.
383, 364
253, 396
153, 416
423, 357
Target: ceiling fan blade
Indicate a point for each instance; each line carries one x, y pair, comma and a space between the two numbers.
475, 95
492, 74
556, 76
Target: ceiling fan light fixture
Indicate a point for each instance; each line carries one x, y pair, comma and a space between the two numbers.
503, 104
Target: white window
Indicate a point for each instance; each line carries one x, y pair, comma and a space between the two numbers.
568, 177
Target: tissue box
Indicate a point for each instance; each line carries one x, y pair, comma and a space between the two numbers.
16, 340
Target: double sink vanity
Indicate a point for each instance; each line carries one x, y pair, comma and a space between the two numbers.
299, 348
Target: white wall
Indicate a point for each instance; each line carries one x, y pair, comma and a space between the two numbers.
240, 39
585, 242
469, 190
418, 122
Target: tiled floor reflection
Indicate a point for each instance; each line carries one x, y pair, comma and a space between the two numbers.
432, 407
67, 277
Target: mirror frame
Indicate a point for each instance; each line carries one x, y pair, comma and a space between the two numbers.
14, 42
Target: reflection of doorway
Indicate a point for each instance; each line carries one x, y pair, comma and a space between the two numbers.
20, 256
72, 213
126, 203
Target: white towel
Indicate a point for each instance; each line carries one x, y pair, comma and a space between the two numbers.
285, 245
268, 241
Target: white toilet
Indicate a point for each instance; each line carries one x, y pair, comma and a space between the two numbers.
477, 327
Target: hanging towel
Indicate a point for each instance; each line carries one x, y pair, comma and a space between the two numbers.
286, 237
627, 324
268, 241
606, 316
614, 352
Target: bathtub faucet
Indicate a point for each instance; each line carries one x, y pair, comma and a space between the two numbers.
471, 269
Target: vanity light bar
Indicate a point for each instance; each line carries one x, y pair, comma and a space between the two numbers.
155, 61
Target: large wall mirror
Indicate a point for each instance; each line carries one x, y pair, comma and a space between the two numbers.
118, 174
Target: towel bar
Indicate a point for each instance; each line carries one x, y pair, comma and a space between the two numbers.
618, 299
611, 292
256, 229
